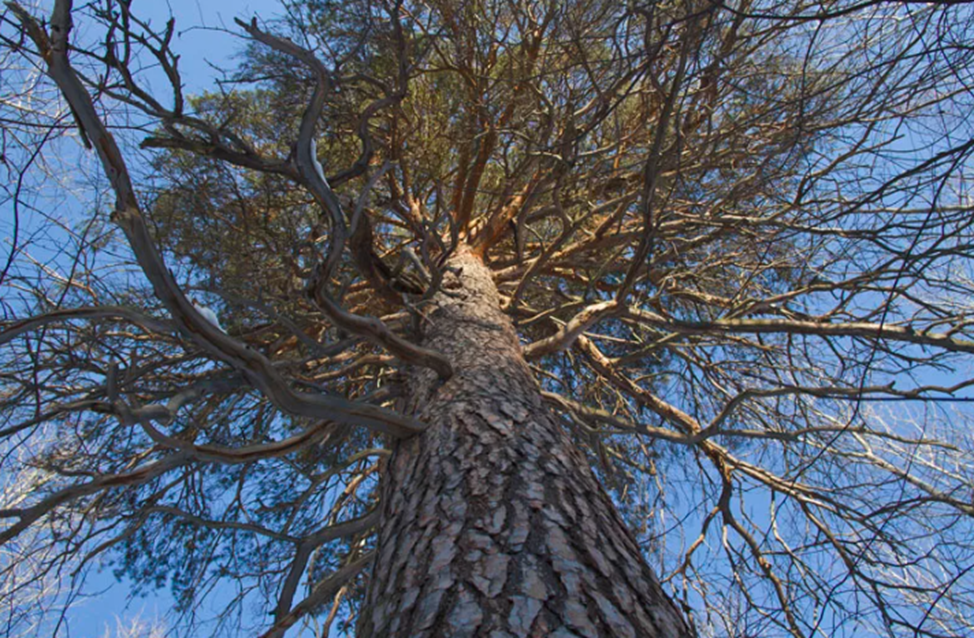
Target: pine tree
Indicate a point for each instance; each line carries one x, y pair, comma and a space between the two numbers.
484, 318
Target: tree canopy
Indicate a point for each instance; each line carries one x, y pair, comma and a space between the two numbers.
734, 239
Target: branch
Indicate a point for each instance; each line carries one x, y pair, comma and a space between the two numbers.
255, 367
324, 590
577, 410
324, 535
377, 332
14, 329
872, 331
368, 327
229, 455
138, 476
603, 365
568, 333
307, 162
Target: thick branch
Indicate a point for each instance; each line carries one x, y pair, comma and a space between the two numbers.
128, 216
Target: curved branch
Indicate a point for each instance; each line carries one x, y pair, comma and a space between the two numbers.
324, 590
377, 332
308, 545
137, 476
256, 368
233, 456
14, 329
305, 153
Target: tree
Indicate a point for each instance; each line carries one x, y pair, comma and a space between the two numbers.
502, 318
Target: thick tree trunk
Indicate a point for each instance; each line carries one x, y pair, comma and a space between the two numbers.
494, 525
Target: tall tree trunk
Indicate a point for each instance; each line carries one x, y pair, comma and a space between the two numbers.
494, 525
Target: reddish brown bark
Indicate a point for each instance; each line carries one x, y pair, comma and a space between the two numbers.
494, 525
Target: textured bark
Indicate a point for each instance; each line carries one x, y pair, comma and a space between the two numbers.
494, 525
